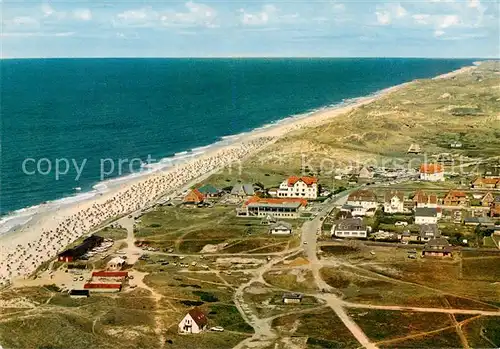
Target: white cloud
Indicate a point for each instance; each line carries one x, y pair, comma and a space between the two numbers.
387, 12
49, 12
338, 7
448, 21
439, 33
83, 14
474, 3
35, 34
137, 15
383, 17
196, 15
421, 18
259, 18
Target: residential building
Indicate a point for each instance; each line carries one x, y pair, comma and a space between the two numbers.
408, 237
484, 221
394, 202
455, 198
103, 287
350, 228
432, 172
268, 220
194, 197
209, 191
355, 211
115, 263
439, 247
242, 190
299, 187
486, 183
495, 207
428, 232
277, 207
280, 228
195, 321
487, 199
414, 149
365, 175
426, 215
293, 298
75, 253
422, 199
363, 198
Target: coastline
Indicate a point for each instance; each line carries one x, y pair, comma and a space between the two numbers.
47, 233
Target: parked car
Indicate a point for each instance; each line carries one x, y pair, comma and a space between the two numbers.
401, 224
217, 329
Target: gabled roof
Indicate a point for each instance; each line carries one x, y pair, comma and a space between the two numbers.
490, 181
431, 168
208, 189
425, 212
438, 242
456, 193
350, 224
197, 193
427, 229
246, 188
281, 224
421, 197
198, 316
392, 193
306, 179
362, 195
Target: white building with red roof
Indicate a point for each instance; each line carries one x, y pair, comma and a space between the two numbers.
299, 187
432, 172
194, 322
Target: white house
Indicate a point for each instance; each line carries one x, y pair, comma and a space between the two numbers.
281, 228
350, 228
194, 322
432, 173
115, 263
394, 202
299, 187
426, 215
363, 198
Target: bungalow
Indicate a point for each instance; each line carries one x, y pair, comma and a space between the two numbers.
429, 232
349, 228
394, 202
209, 191
484, 221
455, 198
193, 197
195, 321
439, 247
268, 220
432, 172
365, 175
486, 183
487, 199
421, 199
426, 215
242, 190
262, 207
355, 211
281, 228
363, 198
293, 298
408, 236
75, 253
115, 263
103, 287
299, 187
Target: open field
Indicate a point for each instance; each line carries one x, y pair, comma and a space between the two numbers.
323, 329
442, 339
483, 332
380, 325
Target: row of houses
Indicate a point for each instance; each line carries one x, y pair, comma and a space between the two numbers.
490, 183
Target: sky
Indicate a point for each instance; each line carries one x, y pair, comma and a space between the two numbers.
251, 28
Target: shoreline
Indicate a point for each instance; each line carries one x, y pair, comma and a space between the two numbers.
46, 234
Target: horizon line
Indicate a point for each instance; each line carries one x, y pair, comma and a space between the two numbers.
246, 57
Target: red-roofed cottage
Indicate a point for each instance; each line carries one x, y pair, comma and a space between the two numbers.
432, 172
194, 197
194, 322
299, 187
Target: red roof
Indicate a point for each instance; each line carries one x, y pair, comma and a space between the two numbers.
114, 286
431, 168
110, 273
422, 198
198, 317
306, 179
457, 193
255, 199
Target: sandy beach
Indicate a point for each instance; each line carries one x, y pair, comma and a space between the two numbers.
25, 249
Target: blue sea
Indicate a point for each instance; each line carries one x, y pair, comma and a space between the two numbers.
96, 109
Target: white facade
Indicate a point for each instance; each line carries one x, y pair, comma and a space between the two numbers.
426, 220
358, 211
432, 177
351, 234
298, 190
188, 325
365, 204
395, 205
281, 229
